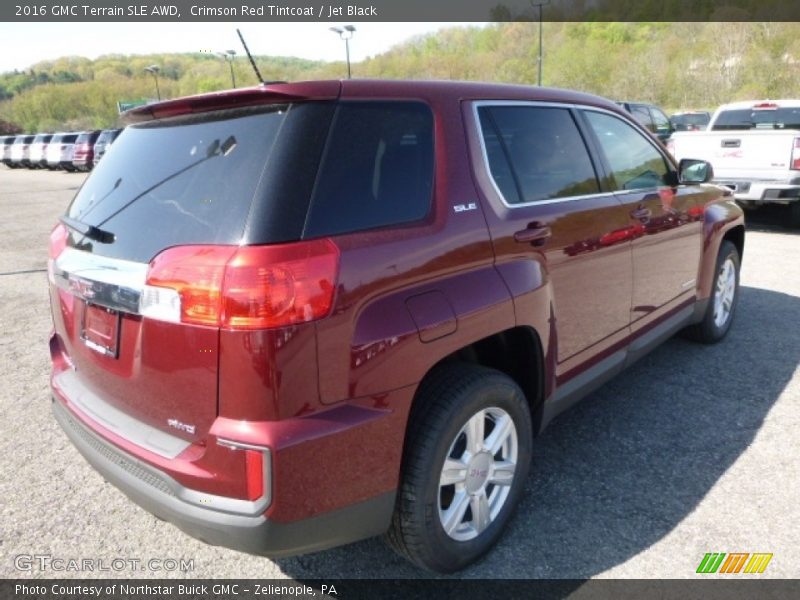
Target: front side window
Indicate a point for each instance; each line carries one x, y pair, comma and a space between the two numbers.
660, 120
635, 163
536, 153
642, 115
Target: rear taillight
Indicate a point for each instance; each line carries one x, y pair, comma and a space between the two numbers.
796, 154
58, 241
247, 287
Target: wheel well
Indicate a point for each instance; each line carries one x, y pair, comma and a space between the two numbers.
736, 237
517, 352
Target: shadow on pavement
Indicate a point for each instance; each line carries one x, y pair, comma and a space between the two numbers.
773, 218
622, 469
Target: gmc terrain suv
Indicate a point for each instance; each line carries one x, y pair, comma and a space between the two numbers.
299, 315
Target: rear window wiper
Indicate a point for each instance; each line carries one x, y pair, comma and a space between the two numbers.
89, 231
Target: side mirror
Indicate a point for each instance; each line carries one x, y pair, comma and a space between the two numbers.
691, 170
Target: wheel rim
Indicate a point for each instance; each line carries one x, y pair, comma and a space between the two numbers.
477, 474
724, 293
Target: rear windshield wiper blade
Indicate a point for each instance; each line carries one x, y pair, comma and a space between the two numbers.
89, 231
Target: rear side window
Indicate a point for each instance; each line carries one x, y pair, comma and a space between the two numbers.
536, 153
635, 163
376, 170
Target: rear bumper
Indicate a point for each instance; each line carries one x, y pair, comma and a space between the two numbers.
254, 533
762, 191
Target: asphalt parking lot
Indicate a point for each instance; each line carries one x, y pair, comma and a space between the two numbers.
694, 450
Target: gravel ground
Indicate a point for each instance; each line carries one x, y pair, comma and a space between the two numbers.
693, 450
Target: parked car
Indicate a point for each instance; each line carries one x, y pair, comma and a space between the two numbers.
104, 141
754, 148
695, 120
378, 321
20, 151
38, 150
83, 152
59, 151
651, 117
7, 143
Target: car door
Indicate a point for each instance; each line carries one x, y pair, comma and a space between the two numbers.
550, 213
666, 218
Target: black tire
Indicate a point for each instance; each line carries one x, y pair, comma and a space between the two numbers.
446, 400
709, 330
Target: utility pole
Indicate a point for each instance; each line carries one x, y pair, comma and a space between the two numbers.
346, 34
228, 57
539, 5
153, 70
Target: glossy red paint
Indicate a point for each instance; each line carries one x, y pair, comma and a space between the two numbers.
331, 398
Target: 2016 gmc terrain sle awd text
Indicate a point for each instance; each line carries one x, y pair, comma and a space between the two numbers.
299, 315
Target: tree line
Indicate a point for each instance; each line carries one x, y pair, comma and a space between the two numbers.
675, 65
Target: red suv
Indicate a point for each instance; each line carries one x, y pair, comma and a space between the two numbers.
299, 315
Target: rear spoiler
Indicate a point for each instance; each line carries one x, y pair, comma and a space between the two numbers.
263, 94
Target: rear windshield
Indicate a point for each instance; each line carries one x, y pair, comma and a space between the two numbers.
27, 139
696, 119
779, 118
69, 138
192, 180
85, 137
106, 136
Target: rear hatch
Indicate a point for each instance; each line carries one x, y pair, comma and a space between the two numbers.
204, 183
753, 143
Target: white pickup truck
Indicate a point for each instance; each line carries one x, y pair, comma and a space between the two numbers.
754, 148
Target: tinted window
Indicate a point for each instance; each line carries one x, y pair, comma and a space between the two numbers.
188, 180
693, 120
377, 168
107, 136
536, 153
780, 118
635, 163
659, 119
69, 139
642, 115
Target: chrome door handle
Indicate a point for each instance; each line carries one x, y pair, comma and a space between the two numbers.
641, 213
533, 235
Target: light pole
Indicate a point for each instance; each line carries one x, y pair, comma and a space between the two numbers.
540, 5
228, 57
153, 70
346, 34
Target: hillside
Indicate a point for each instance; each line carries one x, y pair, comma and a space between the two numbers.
676, 65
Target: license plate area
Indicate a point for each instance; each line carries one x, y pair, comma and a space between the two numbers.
100, 329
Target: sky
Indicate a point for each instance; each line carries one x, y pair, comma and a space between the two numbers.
30, 43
